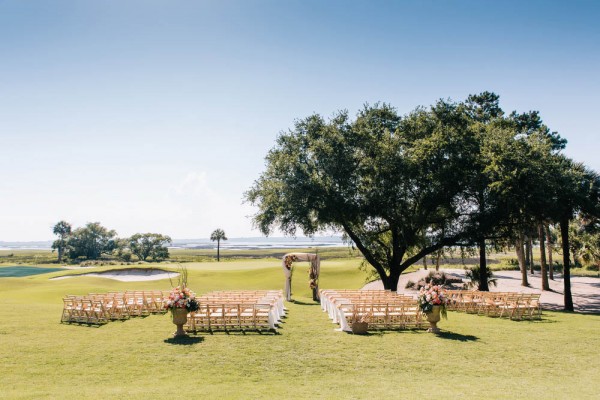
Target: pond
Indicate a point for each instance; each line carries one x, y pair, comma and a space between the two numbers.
18, 272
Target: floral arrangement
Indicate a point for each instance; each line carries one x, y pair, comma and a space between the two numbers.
312, 278
433, 295
360, 317
289, 260
181, 296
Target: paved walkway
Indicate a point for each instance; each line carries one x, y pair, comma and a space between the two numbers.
585, 290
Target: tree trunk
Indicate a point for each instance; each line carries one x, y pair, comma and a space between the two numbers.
393, 280
218, 250
550, 248
315, 293
437, 260
387, 282
424, 263
544, 267
60, 254
483, 282
527, 259
531, 264
564, 234
521, 257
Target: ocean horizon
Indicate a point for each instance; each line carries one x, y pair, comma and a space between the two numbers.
243, 243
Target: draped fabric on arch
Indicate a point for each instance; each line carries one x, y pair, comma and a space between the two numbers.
315, 268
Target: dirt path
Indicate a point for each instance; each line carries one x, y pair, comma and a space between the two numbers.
585, 290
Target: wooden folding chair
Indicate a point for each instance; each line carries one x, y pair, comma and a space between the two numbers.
261, 317
534, 307
510, 305
475, 301
199, 320
413, 317
490, 304
395, 315
69, 310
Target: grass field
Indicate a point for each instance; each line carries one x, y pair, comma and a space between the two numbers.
496, 261
186, 255
475, 357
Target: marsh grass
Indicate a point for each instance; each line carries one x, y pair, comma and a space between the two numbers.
474, 357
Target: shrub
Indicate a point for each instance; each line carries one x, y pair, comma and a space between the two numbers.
410, 285
125, 256
473, 275
435, 278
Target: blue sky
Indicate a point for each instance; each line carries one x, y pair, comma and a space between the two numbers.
155, 116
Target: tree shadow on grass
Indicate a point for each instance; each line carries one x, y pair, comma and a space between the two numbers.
535, 321
303, 303
367, 334
266, 332
457, 336
82, 325
185, 340
384, 332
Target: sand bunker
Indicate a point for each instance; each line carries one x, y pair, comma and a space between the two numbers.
129, 274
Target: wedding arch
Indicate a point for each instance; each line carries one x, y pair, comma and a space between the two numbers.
313, 273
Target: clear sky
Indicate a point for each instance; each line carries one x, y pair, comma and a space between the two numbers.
155, 116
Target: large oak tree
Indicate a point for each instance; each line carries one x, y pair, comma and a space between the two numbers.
395, 186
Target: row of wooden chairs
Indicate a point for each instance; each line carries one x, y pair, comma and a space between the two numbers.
496, 304
233, 316
398, 314
381, 309
258, 310
330, 298
100, 308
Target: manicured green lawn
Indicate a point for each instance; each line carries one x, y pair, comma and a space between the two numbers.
475, 357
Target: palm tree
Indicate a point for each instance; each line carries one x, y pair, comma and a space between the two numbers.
63, 230
218, 235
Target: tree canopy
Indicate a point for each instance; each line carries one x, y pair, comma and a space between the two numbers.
153, 245
403, 187
394, 185
91, 242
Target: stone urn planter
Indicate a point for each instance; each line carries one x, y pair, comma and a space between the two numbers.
179, 319
433, 317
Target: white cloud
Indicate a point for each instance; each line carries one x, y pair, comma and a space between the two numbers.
194, 183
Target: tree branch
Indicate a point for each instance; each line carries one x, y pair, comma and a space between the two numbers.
364, 250
428, 250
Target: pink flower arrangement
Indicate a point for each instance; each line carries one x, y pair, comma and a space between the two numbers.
182, 297
430, 296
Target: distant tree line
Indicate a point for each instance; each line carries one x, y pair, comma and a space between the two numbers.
93, 242
458, 174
